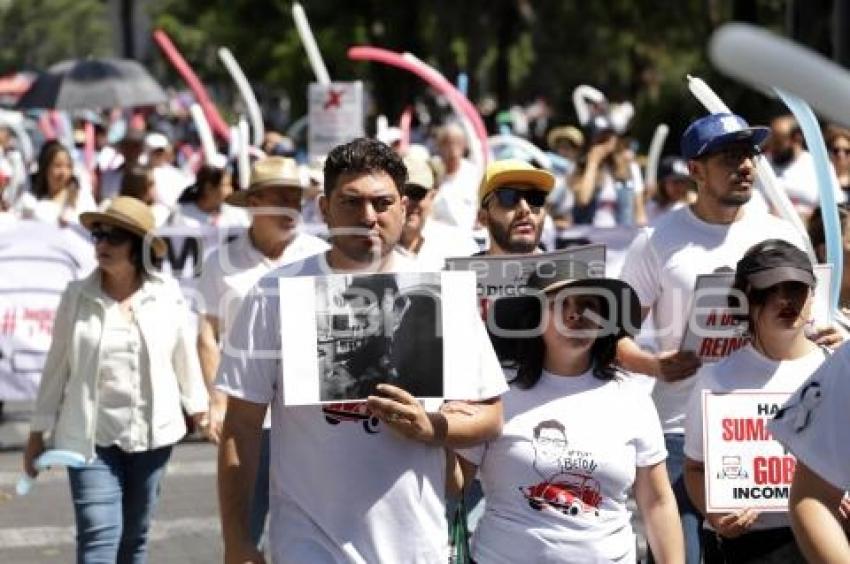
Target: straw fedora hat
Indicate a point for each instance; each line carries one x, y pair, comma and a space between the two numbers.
271, 171
130, 214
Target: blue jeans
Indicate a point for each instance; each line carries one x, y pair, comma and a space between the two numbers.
114, 498
260, 502
690, 515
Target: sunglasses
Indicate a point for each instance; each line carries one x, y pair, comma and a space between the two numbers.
508, 197
415, 193
113, 237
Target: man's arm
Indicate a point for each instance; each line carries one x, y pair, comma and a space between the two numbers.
238, 458
668, 366
813, 509
210, 355
449, 428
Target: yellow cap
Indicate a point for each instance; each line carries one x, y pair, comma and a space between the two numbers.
514, 172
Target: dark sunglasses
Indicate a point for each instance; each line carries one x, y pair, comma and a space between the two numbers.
415, 193
112, 237
509, 197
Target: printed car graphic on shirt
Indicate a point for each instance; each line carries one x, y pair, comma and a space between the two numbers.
336, 413
571, 494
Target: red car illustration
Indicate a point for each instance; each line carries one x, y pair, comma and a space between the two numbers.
336, 413
569, 493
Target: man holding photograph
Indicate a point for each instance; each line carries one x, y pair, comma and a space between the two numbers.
343, 492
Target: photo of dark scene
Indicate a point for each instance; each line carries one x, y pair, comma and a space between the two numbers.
379, 328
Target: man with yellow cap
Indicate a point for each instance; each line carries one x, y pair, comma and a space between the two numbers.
511, 206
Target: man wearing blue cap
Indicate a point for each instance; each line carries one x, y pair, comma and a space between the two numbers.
663, 264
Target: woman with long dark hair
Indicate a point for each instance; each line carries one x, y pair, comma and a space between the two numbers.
577, 437
203, 203
55, 189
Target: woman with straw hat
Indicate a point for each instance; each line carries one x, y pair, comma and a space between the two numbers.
120, 367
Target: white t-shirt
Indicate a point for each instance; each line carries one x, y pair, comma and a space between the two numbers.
169, 182
800, 182
746, 369
556, 481
456, 202
662, 266
815, 421
606, 208
343, 488
190, 215
441, 241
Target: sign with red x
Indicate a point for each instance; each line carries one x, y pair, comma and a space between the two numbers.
335, 116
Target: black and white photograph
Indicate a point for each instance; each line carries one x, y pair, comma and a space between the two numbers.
379, 329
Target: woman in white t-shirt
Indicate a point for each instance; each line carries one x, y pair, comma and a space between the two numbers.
203, 203
777, 280
577, 437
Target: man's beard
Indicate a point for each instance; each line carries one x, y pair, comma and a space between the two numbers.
782, 158
502, 237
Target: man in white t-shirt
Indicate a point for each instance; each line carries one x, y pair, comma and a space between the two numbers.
456, 200
363, 483
430, 241
795, 167
231, 270
663, 263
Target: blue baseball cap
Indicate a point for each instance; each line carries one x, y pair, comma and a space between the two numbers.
712, 132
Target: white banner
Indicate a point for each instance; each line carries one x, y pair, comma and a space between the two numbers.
744, 466
334, 116
37, 261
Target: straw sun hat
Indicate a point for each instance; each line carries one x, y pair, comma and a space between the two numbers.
131, 215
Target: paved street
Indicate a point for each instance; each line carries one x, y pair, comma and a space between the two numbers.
39, 528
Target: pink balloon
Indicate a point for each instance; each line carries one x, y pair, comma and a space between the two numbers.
434, 79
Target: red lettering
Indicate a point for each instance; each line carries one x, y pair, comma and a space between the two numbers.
741, 430
711, 319
705, 347
484, 307
773, 470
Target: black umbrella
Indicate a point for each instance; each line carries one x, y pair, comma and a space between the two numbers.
93, 84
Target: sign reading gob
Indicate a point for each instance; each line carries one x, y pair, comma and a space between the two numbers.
335, 116
744, 466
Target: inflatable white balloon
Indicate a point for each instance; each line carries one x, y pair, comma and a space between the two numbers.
762, 59
581, 96
654, 154
309, 41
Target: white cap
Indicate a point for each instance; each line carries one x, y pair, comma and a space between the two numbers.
156, 141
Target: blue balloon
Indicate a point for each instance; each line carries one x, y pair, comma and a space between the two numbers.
829, 207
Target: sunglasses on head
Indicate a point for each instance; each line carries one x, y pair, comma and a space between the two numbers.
112, 237
415, 193
508, 197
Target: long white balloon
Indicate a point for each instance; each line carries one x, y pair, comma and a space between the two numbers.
246, 92
772, 191
313, 53
654, 155
762, 59
581, 95
204, 132
242, 155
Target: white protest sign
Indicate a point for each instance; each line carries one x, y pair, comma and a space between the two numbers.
744, 466
334, 116
714, 333
37, 261
341, 335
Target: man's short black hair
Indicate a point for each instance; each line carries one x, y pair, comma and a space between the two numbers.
363, 156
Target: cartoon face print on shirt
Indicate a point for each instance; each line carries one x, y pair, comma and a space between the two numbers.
566, 492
